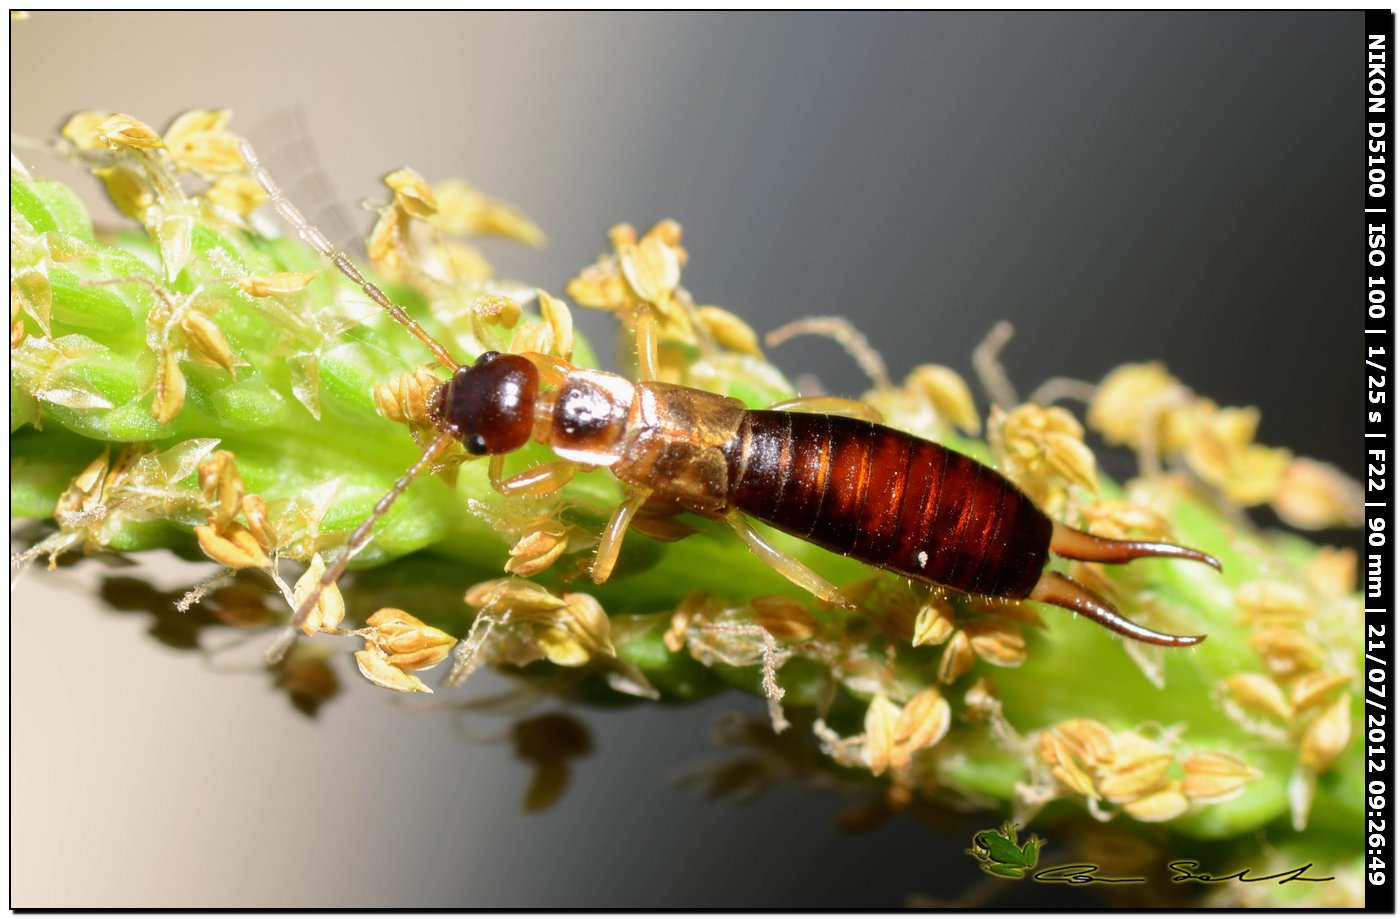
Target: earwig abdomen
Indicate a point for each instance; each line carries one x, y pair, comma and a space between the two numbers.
890, 500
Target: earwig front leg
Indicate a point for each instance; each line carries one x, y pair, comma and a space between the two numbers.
830, 405
533, 482
785, 564
610, 543
552, 369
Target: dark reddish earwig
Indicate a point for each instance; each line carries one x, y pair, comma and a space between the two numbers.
853, 486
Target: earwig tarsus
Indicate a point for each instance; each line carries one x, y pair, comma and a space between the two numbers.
861, 489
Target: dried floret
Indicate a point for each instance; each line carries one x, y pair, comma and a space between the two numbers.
125, 131
406, 641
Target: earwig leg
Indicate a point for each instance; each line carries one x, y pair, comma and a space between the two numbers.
657, 520
318, 241
610, 543
533, 482
648, 360
830, 405
1071, 543
360, 537
785, 564
552, 369
1059, 590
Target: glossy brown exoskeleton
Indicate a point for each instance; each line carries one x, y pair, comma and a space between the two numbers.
840, 481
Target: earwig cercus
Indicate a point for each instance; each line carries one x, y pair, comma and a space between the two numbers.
876, 494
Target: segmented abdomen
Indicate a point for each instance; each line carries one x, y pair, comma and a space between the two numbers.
889, 499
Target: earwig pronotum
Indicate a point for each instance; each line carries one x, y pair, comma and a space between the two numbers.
841, 481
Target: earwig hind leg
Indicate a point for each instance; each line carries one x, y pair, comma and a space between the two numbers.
1061, 591
1068, 542
830, 405
533, 482
610, 543
785, 564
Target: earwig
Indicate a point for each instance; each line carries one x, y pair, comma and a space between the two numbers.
841, 481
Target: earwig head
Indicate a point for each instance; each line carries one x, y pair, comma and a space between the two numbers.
490, 405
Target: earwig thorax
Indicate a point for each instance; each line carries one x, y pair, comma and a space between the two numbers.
590, 418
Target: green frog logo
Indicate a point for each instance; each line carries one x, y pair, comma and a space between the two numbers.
1000, 854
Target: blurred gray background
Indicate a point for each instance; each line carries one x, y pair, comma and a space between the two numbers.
1120, 186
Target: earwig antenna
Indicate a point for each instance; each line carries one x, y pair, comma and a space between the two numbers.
360, 537
318, 240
